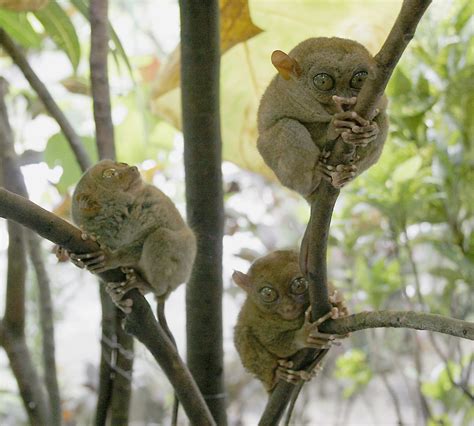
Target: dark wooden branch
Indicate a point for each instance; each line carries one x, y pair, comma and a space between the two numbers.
20, 60
200, 65
47, 327
314, 247
100, 78
115, 379
13, 324
141, 321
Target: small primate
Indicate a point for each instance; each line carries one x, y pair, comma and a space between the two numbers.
308, 104
274, 322
137, 227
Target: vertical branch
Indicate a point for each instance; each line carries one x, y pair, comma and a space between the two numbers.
100, 79
51, 106
47, 327
115, 368
314, 247
205, 212
13, 324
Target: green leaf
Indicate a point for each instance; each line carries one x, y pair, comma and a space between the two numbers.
58, 153
60, 28
407, 170
19, 28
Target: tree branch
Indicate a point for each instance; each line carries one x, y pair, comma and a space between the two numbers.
314, 246
51, 106
100, 79
200, 66
13, 324
141, 322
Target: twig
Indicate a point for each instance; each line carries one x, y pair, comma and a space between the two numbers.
13, 323
141, 322
19, 58
47, 327
100, 79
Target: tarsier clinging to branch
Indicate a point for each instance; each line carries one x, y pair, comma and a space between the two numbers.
274, 322
309, 104
138, 228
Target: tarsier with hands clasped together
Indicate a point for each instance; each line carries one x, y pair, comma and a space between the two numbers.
309, 104
137, 227
274, 322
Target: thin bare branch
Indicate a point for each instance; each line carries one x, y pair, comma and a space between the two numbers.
20, 60
100, 79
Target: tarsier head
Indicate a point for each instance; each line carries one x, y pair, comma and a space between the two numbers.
276, 285
319, 68
106, 176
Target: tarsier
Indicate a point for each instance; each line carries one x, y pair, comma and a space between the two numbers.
137, 227
309, 104
274, 322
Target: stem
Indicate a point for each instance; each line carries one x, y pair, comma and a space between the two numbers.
51, 106
200, 65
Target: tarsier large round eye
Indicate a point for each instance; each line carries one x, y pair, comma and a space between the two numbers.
268, 294
323, 81
299, 286
108, 173
357, 80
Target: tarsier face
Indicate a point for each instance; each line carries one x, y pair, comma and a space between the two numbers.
276, 285
324, 67
116, 176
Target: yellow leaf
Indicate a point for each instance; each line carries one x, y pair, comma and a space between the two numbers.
23, 5
246, 69
236, 27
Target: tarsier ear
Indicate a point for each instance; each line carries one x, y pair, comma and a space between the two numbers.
87, 203
285, 64
242, 280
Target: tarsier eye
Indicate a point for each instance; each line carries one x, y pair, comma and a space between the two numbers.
108, 173
323, 81
357, 80
299, 286
268, 294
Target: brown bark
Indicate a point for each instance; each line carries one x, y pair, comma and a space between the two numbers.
200, 64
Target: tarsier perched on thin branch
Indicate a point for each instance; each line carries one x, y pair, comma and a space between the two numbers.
138, 228
309, 104
274, 322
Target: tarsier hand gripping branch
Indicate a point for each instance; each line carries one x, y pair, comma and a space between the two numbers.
138, 228
274, 322
309, 104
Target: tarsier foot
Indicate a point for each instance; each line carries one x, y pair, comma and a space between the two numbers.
285, 372
339, 175
117, 290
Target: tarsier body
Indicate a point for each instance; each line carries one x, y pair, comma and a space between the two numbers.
309, 104
137, 227
273, 323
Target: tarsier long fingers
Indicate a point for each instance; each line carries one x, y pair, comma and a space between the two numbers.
117, 290
339, 175
285, 372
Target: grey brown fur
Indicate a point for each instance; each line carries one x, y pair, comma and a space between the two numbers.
296, 120
136, 224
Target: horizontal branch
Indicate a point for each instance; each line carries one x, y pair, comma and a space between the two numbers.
140, 321
401, 319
